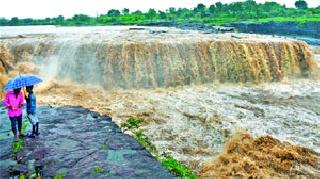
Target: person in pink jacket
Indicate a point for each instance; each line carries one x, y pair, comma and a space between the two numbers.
14, 102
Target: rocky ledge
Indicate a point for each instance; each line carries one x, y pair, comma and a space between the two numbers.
76, 142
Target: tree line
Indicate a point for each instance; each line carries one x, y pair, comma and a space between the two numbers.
214, 14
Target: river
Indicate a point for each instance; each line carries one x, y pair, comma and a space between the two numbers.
192, 90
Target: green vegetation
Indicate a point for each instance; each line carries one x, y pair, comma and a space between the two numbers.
171, 164
300, 4
216, 14
175, 167
145, 142
18, 146
131, 123
104, 146
97, 169
59, 176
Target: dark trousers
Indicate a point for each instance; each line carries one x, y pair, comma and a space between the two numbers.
14, 122
35, 127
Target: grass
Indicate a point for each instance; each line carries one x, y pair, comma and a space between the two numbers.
145, 142
59, 176
18, 146
97, 170
104, 146
176, 167
131, 123
171, 164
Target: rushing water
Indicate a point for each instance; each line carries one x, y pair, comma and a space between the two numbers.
11, 31
124, 57
192, 122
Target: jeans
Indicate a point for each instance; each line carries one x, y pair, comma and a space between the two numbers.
14, 121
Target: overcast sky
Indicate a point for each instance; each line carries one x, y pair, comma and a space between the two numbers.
52, 8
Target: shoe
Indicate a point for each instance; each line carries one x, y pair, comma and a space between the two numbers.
29, 135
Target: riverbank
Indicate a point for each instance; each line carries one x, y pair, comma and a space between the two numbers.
75, 142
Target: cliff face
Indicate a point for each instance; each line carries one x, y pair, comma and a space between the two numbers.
140, 61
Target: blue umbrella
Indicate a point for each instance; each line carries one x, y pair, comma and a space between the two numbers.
22, 81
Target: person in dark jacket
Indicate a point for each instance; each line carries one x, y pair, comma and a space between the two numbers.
31, 110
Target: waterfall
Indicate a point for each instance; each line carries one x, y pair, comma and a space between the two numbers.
136, 60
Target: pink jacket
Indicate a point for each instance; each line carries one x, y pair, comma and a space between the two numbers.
14, 104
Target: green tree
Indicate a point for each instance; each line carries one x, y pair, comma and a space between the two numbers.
113, 13
125, 11
48, 21
184, 13
172, 13
137, 12
200, 8
162, 15
220, 13
4, 21
151, 14
78, 18
60, 19
301, 4
14, 21
219, 6
212, 9
27, 21
137, 16
172, 10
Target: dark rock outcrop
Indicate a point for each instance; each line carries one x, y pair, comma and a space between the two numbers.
309, 32
76, 142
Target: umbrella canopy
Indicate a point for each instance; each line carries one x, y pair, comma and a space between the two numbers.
22, 81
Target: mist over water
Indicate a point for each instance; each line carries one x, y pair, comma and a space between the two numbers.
71, 60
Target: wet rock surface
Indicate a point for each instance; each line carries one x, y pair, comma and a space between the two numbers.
75, 142
5, 144
308, 32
